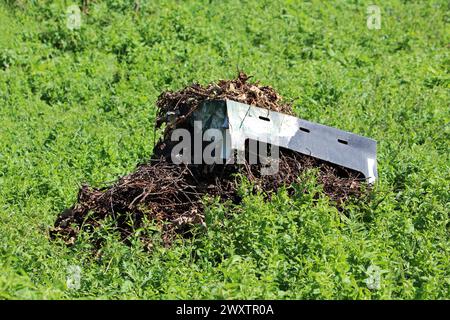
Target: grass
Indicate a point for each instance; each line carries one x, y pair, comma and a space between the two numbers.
79, 106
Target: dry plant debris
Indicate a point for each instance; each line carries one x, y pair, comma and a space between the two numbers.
173, 196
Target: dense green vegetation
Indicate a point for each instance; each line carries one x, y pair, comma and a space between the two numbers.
79, 106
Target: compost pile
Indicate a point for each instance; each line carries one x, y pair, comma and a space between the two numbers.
173, 196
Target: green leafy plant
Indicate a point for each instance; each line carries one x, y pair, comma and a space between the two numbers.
78, 106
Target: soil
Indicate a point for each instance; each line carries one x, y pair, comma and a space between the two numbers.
174, 196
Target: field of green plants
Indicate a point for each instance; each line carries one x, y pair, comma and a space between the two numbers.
78, 105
